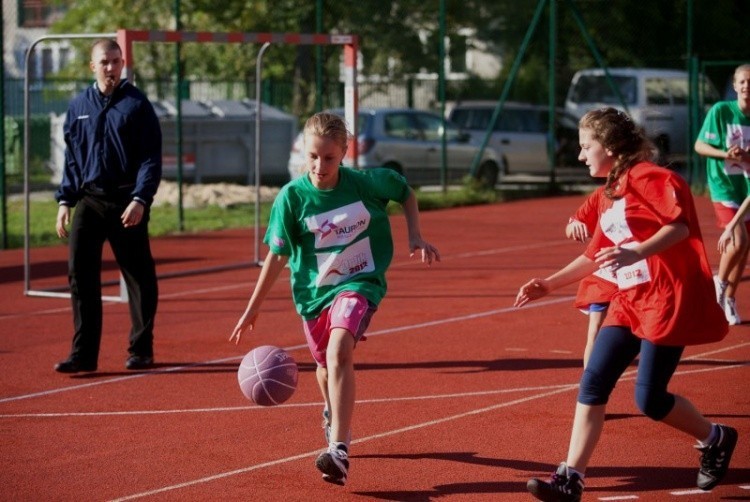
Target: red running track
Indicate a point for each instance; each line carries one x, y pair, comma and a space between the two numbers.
459, 395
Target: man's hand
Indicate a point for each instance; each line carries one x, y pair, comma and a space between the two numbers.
133, 214
63, 219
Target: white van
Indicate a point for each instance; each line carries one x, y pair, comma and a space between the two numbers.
657, 100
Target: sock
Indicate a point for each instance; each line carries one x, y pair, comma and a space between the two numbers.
340, 446
713, 437
573, 471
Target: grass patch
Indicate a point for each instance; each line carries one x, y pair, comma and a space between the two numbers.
164, 220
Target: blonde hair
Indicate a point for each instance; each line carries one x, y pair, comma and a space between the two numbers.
617, 132
740, 68
328, 125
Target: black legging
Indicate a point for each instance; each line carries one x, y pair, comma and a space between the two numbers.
614, 349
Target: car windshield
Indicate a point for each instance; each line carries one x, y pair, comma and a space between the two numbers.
596, 89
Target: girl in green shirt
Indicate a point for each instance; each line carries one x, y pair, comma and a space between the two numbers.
332, 228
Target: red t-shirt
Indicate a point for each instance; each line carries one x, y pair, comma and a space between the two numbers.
599, 286
667, 298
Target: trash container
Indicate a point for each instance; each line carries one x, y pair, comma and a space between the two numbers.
218, 141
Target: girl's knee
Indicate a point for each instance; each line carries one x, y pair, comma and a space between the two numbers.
654, 403
340, 348
592, 389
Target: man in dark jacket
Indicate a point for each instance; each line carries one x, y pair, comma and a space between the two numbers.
112, 171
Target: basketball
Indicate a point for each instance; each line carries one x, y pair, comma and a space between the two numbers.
267, 375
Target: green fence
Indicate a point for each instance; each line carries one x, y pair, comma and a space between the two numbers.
39, 147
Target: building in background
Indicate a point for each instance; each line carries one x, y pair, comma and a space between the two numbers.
23, 22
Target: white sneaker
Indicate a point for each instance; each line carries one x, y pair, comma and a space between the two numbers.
730, 311
721, 290
334, 464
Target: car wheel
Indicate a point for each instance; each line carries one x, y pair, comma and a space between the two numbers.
488, 174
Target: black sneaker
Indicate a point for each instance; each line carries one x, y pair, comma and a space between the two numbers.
715, 458
563, 486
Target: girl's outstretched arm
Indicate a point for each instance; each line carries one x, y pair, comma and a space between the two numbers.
272, 267
411, 212
537, 288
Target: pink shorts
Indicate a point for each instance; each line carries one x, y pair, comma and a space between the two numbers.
350, 311
725, 211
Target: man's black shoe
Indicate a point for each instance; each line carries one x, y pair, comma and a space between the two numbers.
73, 366
139, 362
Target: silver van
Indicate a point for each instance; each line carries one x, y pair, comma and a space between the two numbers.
657, 100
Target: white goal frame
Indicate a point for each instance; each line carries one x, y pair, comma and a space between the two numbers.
126, 38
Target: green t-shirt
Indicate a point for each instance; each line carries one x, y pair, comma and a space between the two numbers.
337, 239
726, 125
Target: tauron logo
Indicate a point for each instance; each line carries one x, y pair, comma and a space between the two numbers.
342, 231
326, 228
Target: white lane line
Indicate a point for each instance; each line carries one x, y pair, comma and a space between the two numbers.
116, 379
694, 491
291, 405
381, 332
245, 285
627, 376
356, 441
624, 377
510, 249
620, 497
105, 303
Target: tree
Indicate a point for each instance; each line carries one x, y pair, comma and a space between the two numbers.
398, 37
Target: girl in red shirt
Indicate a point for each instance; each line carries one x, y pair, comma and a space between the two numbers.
648, 238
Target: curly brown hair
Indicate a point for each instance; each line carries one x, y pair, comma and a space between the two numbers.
617, 132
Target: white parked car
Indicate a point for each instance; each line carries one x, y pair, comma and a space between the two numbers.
410, 142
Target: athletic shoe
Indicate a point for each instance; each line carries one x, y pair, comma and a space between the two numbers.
721, 290
715, 458
563, 486
730, 311
327, 425
334, 464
